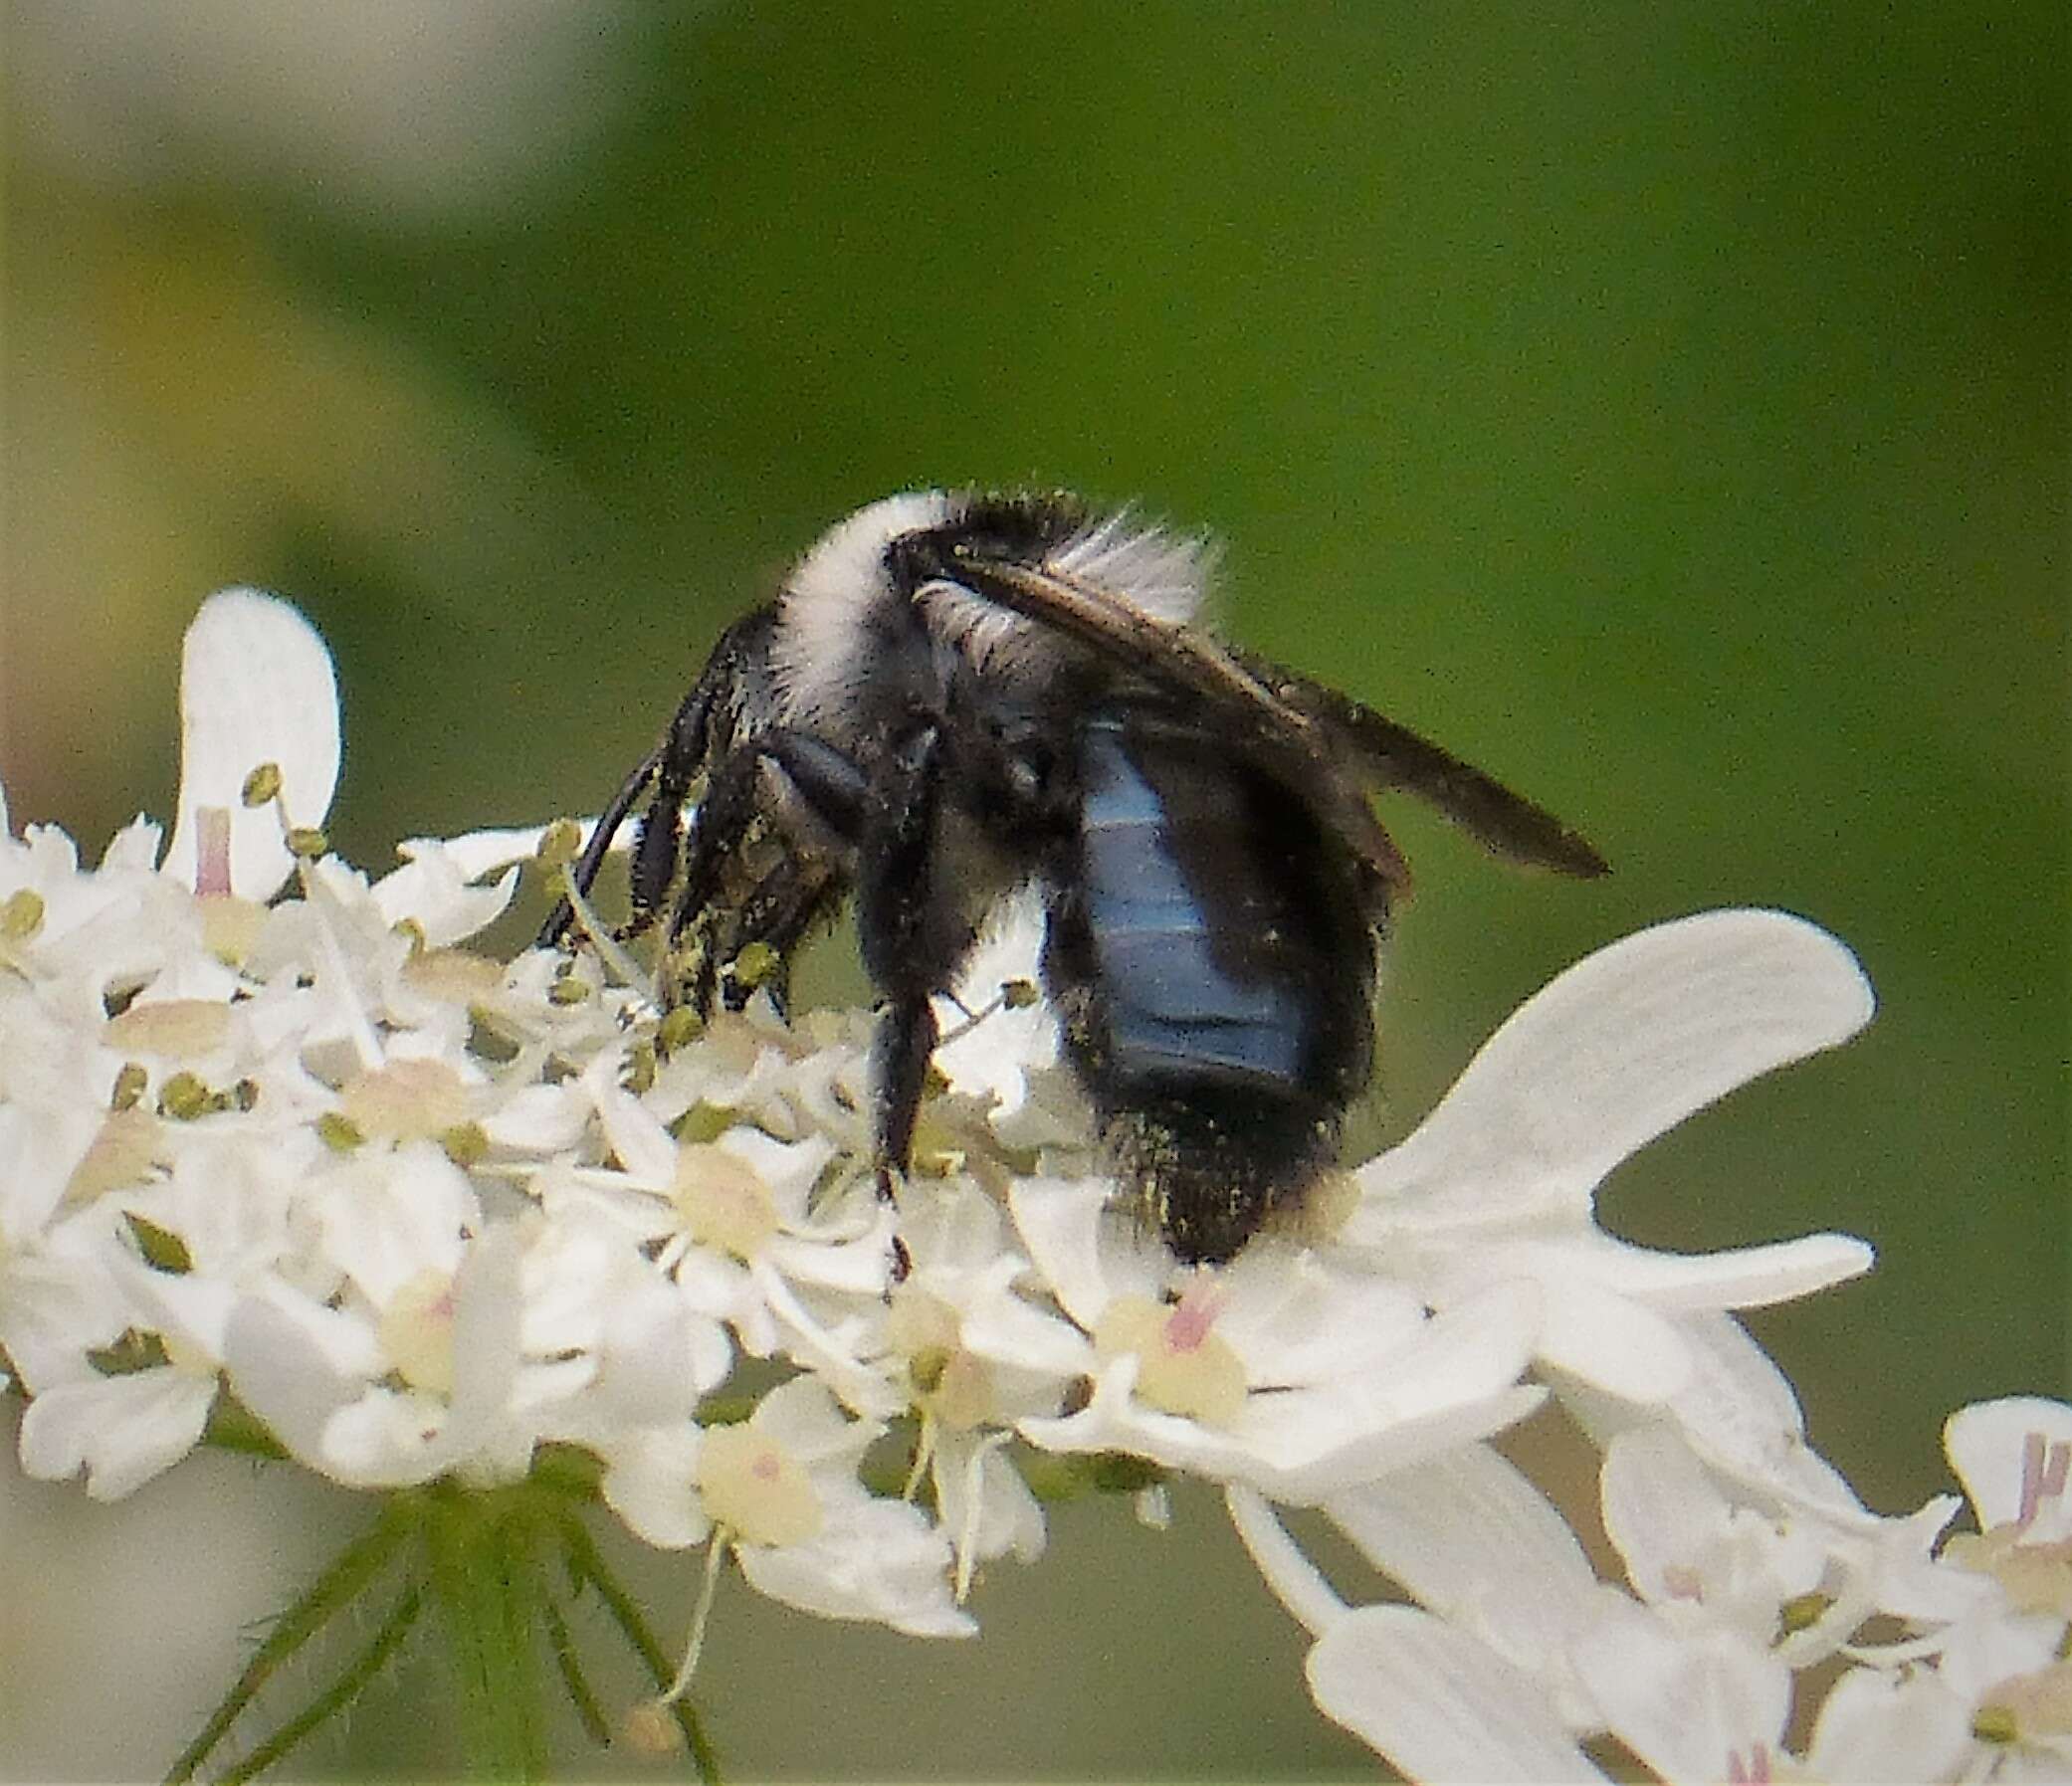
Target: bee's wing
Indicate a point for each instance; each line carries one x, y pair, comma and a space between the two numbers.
1186, 663
1308, 726
1393, 756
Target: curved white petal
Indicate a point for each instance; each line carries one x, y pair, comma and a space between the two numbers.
1612, 1342
121, 1430
1700, 1705
650, 1482
1879, 1724
475, 852
879, 1560
256, 686
434, 890
1623, 1046
1441, 1705
2011, 1454
1086, 1259
1476, 1542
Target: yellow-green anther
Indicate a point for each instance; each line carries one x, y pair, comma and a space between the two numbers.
21, 915
130, 1084
560, 842
755, 965
1801, 1612
567, 991
1995, 1724
263, 784
465, 1144
1018, 995
680, 1025
184, 1096
641, 1068
337, 1132
307, 842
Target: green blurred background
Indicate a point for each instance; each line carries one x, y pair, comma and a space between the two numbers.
1665, 407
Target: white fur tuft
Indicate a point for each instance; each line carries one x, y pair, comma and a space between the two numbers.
819, 656
822, 653
1165, 573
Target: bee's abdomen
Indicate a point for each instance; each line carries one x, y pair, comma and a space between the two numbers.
1209, 952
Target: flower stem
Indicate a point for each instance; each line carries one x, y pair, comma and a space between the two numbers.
483, 1581
339, 1695
586, 1566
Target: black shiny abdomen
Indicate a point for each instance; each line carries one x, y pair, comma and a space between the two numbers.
1215, 971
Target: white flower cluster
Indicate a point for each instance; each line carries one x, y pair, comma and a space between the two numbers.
420, 1212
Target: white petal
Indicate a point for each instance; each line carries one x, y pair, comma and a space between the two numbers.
1295, 1581
646, 1151
539, 1120
1473, 1540
1994, 1446
1733, 1278
1621, 1047
873, 1559
289, 1376
121, 1430
1741, 1416
433, 890
476, 853
649, 1482
385, 1216
1661, 1510
1618, 1346
1983, 1652
982, 1501
1085, 1257
256, 686
1693, 1707
1300, 1316
1877, 1727
1441, 1705
487, 1319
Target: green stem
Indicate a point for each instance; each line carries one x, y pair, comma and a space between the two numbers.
561, 1644
586, 1565
486, 1595
341, 1693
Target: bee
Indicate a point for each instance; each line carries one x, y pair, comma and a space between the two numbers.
957, 694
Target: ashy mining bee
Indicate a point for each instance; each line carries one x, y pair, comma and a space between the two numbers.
955, 695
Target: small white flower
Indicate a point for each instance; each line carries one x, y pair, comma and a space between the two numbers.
859, 1556
741, 1235
782, 1490
1285, 1370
